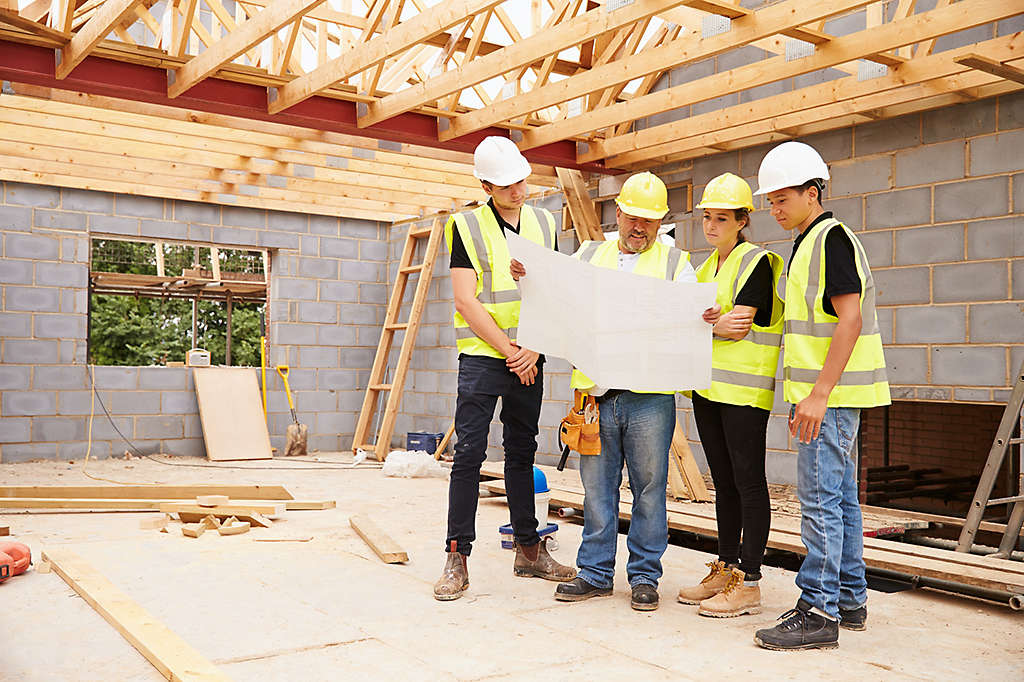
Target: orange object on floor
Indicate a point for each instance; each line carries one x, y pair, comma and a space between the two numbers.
15, 558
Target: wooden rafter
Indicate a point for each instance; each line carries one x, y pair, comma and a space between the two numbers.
992, 66
109, 15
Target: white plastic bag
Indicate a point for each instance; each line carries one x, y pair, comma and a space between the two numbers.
413, 464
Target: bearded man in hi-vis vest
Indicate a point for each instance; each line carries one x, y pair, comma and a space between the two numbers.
833, 366
492, 365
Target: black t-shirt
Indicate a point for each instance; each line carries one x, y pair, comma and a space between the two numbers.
460, 257
757, 292
840, 267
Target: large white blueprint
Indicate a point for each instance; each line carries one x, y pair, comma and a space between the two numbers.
622, 330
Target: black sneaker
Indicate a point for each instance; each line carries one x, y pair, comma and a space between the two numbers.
853, 619
800, 629
645, 597
579, 589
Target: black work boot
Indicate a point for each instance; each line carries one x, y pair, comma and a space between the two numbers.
579, 589
853, 619
800, 629
454, 578
644, 597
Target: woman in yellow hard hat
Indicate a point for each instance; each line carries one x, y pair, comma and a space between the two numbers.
732, 415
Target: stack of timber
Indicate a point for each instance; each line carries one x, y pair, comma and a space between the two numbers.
900, 481
997, 575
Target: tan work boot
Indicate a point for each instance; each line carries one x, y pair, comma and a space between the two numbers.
713, 583
735, 600
535, 561
454, 579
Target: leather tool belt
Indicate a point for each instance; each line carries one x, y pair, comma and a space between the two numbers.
581, 429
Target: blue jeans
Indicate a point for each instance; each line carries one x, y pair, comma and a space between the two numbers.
636, 428
832, 573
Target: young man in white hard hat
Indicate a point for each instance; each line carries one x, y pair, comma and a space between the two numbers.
833, 366
492, 365
636, 427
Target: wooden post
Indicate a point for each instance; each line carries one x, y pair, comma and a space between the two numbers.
195, 321
227, 340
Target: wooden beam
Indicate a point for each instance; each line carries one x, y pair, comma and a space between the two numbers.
584, 215
230, 509
962, 15
109, 15
992, 66
548, 42
183, 27
682, 455
764, 22
11, 17
389, 551
427, 24
248, 34
155, 492
171, 655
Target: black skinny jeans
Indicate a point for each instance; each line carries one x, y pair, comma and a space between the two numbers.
733, 437
482, 380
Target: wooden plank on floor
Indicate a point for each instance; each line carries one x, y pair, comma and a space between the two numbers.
116, 504
171, 655
152, 492
230, 509
380, 542
231, 411
5, 530
681, 453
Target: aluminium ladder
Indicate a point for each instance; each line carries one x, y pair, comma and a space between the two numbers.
1012, 416
377, 384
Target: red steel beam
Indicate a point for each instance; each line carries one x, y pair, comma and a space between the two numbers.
95, 75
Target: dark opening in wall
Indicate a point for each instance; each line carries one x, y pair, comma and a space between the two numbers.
927, 456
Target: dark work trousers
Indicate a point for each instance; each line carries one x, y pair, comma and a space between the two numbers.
482, 380
733, 438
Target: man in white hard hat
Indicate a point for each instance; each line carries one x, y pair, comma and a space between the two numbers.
492, 365
636, 427
833, 366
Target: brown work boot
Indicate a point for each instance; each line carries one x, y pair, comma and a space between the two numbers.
455, 578
712, 584
735, 600
535, 561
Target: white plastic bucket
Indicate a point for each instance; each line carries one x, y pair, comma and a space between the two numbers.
542, 501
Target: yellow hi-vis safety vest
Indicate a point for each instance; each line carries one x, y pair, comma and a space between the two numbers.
661, 261
488, 252
809, 328
743, 372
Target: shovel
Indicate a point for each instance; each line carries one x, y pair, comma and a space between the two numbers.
297, 434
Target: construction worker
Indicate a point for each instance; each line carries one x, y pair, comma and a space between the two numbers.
732, 415
492, 365
833, 366
636, 428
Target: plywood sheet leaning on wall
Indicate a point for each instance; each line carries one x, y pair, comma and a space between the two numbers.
231, 413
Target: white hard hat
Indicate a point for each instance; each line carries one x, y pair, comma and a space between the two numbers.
497, 160
791, 164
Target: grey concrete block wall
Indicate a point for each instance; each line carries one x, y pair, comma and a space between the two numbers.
319, 317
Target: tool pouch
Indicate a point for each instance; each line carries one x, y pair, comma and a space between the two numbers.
581, 428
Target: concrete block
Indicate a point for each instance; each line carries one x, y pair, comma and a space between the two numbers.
354, 313
80, 402
932, 393
15, 430
709, 167
334, 335
113, 225
244, 217
972, 395
1000, 238
936, 244
970, 282
833, 145
279, 240
960, 121
899, 208
861, 176
997, 323
1011, 107
308, 402
363, 229
931, 324
931, 163
849, 211
907, 365
134, 402
362, 272
86, 201
294, 288
163, 229
41, 196
158, 427
233, 235
373, 293
886, 136
13, 377
63, 377
357, 358
26, 452
193, 426
178, 402
200, 233
14, 325
34, 299
339, 248
341, 291
1006, 27
116, 378
59, 428
352, 401
988, 154
164, 378
310, 311
28, 403
318, 356
58, 220
323, 224
74, 301
62, 274
318, 268
185, 447
15, 271
291, 333
968, 366
138, 206
878, 246
337, 379
902, 285
34, 246
1018, 279
16, 218
31, 351
371, 250
308, 246
287, 222
691, 72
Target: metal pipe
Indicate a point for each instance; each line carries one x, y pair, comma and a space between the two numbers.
943, 543
1014, 601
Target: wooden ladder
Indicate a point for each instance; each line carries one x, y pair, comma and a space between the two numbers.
382, 444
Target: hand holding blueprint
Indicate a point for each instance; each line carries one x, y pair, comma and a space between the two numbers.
622, 330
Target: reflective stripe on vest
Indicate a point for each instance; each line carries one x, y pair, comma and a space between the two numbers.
809, 329
601, 252
495, 289
743, 371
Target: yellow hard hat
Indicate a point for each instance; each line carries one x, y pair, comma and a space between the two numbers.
727, 191
644, 195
